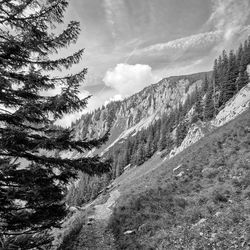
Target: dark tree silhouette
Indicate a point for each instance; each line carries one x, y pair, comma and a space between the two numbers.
33, 172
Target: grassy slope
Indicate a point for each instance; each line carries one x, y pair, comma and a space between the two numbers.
208, 207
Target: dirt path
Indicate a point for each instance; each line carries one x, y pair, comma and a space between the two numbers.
94, 216
94, 236
104, 211
94, 233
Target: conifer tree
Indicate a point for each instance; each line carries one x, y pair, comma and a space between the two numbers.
163, 139
229, 73
240, 55
206, 84
119, 167
216, 74
149, 146
198, 108
33, 179
246, 53
232, 71
242, 80
243, 77
140, 155
169, 143
209, 109
181, 132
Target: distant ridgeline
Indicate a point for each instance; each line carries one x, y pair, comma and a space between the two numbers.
158, 118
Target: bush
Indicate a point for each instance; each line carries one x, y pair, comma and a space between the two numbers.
210, 173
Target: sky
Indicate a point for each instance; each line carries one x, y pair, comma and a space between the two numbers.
130, 44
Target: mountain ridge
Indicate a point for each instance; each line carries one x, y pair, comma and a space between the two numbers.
142, 108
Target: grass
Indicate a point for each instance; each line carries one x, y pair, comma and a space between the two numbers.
208, 207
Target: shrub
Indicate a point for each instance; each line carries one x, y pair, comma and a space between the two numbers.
210, 173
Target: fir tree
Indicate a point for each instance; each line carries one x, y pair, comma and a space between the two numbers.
240, 55
118, 166
246, 54
242, 80
229, 73
232, 71
140, 155
209, 109
163, 139
33, 179
169, 143
243, 77
206, 84
198, 108
181, 132
216, 74
149, 146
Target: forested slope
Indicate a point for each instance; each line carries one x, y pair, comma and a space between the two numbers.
159, 118
197, 200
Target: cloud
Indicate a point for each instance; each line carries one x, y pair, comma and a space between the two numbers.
227, 20
178, 52
229, 16
129, 79
225, 28
114, 99
193, 41
115, 15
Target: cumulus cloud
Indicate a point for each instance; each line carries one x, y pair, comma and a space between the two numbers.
114, 99
129, 79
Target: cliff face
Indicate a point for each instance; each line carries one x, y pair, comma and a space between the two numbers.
129, 116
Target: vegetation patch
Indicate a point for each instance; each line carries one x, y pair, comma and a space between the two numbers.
205, 208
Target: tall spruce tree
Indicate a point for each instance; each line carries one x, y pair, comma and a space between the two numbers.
181, 132
33, 179
209, 109
206, 84
216, 67
242, 80
232, 74
163, 139
239, 55
243, 77
198, 108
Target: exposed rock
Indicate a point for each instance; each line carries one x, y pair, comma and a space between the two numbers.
175, 169
235, 106
195, 133
129, 232
218, 214
180, 174
73, 209
200, 222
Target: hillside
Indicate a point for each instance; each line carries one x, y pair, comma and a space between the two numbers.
180, 166
140, 110
198, 199
148, 115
